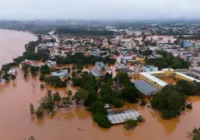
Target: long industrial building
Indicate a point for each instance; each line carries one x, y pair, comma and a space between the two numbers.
155, 78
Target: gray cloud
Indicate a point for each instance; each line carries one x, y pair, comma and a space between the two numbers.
99, 9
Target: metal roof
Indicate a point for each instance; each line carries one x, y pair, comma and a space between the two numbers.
145, 88
188, 77
116, 117
153, 78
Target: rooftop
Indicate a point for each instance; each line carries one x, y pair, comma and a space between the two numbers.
153, 78
145, 88
117, 117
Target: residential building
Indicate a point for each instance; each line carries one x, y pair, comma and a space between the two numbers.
62, 74
100, 69
12, 71
51, 63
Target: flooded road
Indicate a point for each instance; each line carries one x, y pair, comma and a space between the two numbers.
75, 123
12, 44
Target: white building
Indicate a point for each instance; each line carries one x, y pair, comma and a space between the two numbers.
62, 74
51, 63
120, 65
100, 69
12, 71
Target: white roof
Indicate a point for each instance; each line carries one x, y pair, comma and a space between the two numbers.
117, 117
188, 77
153, 78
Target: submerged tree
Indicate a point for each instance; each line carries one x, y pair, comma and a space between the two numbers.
32, 110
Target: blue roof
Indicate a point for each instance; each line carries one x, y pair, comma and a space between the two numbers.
145, 87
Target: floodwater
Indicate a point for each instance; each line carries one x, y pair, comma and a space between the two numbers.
12, 44
76, 123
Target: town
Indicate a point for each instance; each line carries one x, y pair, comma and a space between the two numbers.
152, 65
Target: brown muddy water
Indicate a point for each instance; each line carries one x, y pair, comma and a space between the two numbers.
76, 123
12, 44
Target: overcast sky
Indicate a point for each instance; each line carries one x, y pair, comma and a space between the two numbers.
99, 9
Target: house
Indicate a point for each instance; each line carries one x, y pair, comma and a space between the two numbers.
126, 59
28, 62
100, 69
51, 63
120, 65
149, 68
62, 74
12, 71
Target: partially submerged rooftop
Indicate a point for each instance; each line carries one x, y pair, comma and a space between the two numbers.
117, 117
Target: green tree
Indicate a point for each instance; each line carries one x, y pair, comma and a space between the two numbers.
40, 112
81, 95
118, 103
56, 96
32, 110
168, 102
130, 94
102, 120
130, 124
97, 107
53, 80
122, 77
45, 69
13, 77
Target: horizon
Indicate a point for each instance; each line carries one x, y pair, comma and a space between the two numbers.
100, 9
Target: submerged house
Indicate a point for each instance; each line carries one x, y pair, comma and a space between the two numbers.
62, 74
117, 117
51, 63
100, 69
12, 71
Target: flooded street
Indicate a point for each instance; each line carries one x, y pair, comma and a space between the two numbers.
75, 123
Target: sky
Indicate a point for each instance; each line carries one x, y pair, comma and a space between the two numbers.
99, 9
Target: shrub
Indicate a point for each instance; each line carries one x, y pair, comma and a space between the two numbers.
56, 96
130, 124
102, 120
39, 112
118, 103
42, 77
32, 110
42, 86
140, 119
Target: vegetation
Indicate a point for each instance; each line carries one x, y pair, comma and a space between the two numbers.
50, 102
39, 112
81, 95
79, 59
8, 66
55, 81
56, 97
34, 71
168, 61
102, 120
32, 110
31, 138
42, 77
196, 134
169, 102
130, 94
45, 69
188, 88
130, 124
41, 86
